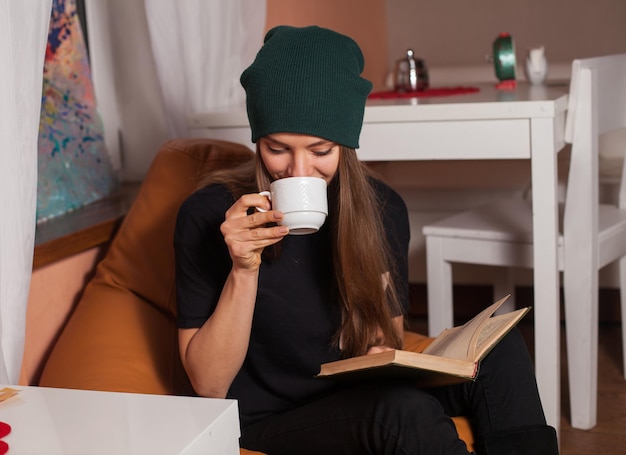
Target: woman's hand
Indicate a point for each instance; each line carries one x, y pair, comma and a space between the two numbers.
247, 235
377, 349
379, 345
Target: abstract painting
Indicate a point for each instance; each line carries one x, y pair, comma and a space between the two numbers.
74, 168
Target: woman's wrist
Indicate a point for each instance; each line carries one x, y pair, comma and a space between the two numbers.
245, 275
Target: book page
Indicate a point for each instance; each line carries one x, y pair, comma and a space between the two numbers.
460, 342
426, 370
495, 328
452, 357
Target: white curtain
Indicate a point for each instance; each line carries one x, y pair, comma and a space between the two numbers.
23, 38
156, 61
200, 49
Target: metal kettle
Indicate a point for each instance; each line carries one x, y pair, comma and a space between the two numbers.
411, 74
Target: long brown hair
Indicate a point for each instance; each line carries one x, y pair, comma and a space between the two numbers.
361, 257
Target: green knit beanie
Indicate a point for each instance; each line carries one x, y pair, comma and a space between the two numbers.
307, 80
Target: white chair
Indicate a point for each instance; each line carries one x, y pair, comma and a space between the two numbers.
592, 234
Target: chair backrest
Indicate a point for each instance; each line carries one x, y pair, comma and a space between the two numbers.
597, 105
141, 257
609, 78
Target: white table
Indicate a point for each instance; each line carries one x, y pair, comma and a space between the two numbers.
527, 123
64, 421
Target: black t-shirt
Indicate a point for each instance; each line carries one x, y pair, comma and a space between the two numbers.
295, 316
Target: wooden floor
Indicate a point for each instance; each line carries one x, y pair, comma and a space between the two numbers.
608, 437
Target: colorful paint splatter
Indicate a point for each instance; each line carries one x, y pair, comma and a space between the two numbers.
73, 164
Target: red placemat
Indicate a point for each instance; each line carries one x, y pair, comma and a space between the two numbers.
436, 91
5, 429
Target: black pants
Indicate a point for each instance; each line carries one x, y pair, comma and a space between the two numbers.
397, 418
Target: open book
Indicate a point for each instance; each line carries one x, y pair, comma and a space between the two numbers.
452, 357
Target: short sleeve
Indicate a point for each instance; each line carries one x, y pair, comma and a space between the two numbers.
201, 256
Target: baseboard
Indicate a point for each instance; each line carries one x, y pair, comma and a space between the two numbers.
470, 299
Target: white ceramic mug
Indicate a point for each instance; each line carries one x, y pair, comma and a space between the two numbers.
303, 202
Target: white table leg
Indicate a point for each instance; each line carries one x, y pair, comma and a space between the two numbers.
546, 273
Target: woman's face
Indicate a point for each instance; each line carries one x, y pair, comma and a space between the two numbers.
296, 155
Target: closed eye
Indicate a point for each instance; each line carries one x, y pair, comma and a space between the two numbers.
322, 152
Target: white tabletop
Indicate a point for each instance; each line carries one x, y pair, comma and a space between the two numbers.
62, 421
488, 102
487, 124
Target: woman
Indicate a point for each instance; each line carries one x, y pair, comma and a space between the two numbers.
259, 311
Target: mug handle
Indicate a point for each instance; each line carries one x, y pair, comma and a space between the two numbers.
268, 195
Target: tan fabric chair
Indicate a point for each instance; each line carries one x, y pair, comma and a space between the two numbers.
122, 334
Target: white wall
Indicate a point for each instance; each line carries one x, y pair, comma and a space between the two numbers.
461, 32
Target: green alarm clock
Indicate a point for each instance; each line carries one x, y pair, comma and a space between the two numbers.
504, 57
